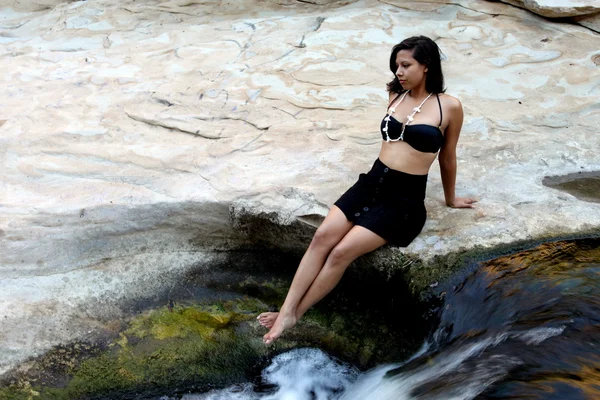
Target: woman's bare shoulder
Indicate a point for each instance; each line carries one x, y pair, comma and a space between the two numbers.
450, 102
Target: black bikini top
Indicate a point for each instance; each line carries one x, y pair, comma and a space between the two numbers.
421, 137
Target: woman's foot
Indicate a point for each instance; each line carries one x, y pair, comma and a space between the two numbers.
283, 322
267, 319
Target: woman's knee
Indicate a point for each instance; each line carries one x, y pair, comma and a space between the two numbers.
339, 257
323, 239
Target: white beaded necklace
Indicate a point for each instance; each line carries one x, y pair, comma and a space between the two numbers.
409, 118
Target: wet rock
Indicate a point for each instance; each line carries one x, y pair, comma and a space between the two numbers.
583, 185
192, 347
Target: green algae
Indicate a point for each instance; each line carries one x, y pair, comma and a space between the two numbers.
164, 324
192, 347
19, 391
196, 347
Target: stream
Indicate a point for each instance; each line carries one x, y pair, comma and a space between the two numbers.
523, 326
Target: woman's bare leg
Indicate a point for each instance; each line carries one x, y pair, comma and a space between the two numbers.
332, 230
356, 242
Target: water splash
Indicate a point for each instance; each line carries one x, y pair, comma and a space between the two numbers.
300, 374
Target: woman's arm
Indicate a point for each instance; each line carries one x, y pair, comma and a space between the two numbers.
447, 157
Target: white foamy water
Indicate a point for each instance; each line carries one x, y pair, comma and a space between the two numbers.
300, 374
310, 374
375, 386
538, 335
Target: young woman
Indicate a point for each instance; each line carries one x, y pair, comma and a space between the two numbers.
386, 205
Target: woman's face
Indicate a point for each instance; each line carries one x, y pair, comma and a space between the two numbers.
409, 71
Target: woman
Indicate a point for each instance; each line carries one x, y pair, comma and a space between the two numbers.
386, 205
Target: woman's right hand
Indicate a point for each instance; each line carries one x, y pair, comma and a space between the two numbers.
462, 202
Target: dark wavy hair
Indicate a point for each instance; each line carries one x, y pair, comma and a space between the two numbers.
426, 52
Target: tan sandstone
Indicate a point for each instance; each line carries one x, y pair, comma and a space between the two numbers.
136, 137
558, 8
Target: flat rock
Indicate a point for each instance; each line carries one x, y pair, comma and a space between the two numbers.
558, 8
30, 5
141, 139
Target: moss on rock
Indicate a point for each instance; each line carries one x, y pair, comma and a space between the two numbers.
195, 347
19, 391
163, 350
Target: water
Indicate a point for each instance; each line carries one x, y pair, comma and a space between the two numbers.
524, 326
300, 374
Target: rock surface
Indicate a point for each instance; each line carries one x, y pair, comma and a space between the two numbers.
558, 8
589, 21
140, 139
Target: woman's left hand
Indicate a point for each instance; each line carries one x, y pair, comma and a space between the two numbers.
462, 202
